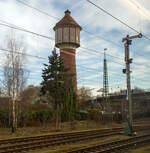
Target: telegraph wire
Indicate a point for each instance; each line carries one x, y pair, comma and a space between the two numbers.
92, 69
139, 8
38, 57
50, 38
102, 52
24, 30
59, 19
88, 69
121, 59
117, 19
53, 39
100, 37
45, 13
109, 41
87, 50
6, 50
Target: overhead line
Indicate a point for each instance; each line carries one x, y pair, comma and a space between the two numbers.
89, 69
6, 50
24, 30
92, 69
39, 57
96, 51
28, 31
50, 38
117, 19
45, 13
100, 37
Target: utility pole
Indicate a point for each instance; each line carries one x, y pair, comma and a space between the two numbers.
105, 82
128, 61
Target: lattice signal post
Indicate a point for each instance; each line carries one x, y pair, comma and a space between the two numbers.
128, 61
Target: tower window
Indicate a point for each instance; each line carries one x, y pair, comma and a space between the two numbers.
59, 35
72, 34
66, 34
77, 35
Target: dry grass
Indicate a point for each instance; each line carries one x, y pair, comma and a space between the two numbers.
65, 127
50, 129
145, 149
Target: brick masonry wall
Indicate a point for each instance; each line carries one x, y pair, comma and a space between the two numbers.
69, 59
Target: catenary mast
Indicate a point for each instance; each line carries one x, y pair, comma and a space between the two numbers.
105, 81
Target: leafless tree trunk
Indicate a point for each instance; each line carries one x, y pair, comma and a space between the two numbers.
15, 76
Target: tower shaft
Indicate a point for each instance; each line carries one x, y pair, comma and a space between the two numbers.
69, 59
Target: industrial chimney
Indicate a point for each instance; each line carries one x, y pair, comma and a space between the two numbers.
67, 39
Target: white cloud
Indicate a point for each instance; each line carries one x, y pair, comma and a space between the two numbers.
147, 48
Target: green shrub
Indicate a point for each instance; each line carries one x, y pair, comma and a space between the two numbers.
42, 115
4, 118
95, 114
80, 115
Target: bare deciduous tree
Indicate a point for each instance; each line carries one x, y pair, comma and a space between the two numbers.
15, 75
85, 97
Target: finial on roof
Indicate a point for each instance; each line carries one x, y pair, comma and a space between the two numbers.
67, 12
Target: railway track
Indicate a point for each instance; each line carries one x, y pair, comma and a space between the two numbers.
54, 140
114, 146
40, 142
62, 135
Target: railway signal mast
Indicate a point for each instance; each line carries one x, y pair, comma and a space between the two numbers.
128, 61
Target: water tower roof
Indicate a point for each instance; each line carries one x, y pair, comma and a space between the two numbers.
67, 20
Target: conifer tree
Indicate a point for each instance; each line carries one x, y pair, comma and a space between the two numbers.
57, 82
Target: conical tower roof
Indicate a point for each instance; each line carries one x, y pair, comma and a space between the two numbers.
67, 20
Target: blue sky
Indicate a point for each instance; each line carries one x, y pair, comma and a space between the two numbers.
107, 33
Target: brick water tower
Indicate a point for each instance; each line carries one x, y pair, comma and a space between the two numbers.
67, 39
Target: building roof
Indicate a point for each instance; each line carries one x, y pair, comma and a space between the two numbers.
67, 20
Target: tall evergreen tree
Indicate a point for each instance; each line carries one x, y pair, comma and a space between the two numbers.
57, 82
53, 77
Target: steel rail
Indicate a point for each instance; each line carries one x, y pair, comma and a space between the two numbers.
33, 138
114, 145
52, 142
39, 142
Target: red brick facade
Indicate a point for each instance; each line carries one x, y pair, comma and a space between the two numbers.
69, 59
67, 39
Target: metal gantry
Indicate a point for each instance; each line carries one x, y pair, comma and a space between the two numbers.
105, 81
